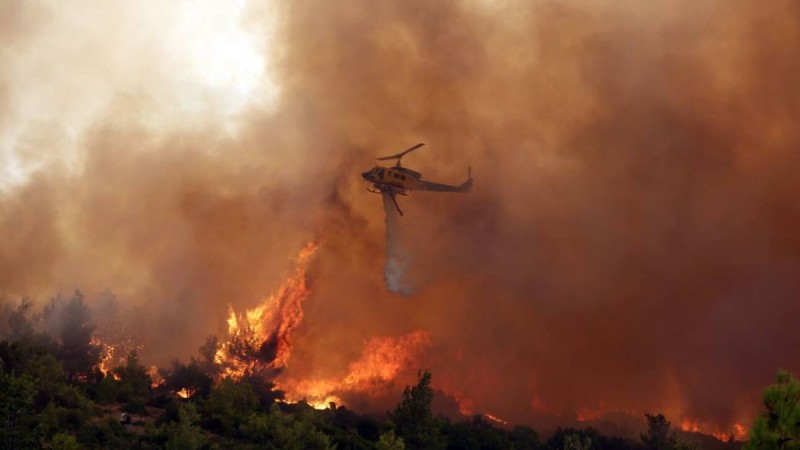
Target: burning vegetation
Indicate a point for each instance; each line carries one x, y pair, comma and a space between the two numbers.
246, 368
632, 246
259, 338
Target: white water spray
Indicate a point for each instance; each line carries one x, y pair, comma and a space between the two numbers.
397, 260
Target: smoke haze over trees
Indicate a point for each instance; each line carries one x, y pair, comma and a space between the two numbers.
43, 407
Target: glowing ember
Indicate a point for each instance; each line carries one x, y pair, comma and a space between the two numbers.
693, 426
185, 393
690, 426
259, 338
114, 354
495, 419
106, 355
381, 360
740, 431
324, 404
156, 379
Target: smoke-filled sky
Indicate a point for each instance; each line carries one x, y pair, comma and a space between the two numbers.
631, 241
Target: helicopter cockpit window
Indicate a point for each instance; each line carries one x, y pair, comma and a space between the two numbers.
380, 173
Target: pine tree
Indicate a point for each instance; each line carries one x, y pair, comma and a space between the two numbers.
779, 427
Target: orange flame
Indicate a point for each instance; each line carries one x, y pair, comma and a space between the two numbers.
106, 354
738, 431
690, 426
382, 360
185, 393
113, 355
259, 338
156, 379
495, 419
741, 431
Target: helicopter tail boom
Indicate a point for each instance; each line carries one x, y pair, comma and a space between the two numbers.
463, 187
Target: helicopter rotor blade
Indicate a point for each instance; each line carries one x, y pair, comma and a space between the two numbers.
400, 155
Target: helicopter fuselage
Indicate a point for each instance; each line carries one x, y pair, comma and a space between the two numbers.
398, 180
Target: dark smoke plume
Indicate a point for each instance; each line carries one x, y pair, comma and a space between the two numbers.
631, 243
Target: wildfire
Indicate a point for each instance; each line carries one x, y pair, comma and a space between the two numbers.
686, 424
690, 426
259, 338
495, 419
185, 393
465, 405
382, 360
156, 379
114, 355
383, 357
693, 426
741, 431
106, 354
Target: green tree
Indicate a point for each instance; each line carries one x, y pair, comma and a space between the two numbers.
134, 383
413, 418
477, 433
185, 435
658, 435
17, 417
16, 324
577, 442
49, 375
524, 438
389, 441
190, 377
64, 441
661, 436
278, 430
228, 406
779, 426
78, 354
207, 353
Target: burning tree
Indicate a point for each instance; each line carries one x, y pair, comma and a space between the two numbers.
259, 338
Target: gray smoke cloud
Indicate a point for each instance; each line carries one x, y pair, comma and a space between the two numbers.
630, 243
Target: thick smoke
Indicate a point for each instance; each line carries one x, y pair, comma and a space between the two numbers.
631, 243
395, 270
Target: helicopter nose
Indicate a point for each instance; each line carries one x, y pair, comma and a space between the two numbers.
366, 175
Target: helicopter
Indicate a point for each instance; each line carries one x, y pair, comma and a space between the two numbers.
399, 180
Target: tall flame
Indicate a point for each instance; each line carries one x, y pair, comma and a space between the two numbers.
156, 379
106, 354
382, 360
259, 338
114, 354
